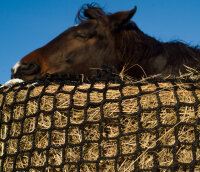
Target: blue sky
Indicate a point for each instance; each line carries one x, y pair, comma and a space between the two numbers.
26, 25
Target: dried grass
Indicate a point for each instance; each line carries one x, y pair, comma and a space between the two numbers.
61, 133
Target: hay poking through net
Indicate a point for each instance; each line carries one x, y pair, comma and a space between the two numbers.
100, 127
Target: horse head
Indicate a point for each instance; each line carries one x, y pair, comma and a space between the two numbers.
80, 49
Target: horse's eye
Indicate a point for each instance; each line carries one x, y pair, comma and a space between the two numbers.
84, 35
81, 35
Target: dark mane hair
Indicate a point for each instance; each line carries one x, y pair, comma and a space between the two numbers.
87, 11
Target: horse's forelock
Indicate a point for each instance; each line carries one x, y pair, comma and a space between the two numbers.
89, 11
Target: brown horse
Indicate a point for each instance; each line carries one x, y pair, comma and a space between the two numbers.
110, 39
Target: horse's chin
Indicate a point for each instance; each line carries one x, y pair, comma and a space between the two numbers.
29, 77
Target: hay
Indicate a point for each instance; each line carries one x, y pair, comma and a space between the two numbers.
45, 120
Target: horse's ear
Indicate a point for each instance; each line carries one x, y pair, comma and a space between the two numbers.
118, 19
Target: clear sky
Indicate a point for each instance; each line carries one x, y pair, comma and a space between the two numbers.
26, 25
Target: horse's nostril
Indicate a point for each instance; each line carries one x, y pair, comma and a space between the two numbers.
21, 70
29, 68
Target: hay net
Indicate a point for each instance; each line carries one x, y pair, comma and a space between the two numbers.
66, 125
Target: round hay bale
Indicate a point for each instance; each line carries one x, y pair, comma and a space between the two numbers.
100, 127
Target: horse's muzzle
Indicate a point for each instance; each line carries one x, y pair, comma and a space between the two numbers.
25, 69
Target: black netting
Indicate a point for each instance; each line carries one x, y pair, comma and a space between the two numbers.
62, 125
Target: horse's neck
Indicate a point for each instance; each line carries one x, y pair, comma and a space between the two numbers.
139, 49
136, 46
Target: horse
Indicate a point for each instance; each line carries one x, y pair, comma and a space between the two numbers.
107, 38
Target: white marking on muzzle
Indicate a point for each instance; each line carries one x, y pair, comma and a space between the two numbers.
16, 66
